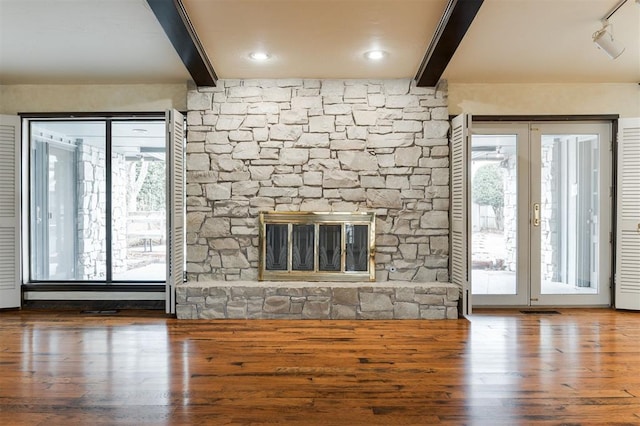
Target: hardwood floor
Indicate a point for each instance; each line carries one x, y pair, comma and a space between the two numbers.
498, 368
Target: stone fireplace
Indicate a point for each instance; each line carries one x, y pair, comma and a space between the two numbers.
299, 145
317, 145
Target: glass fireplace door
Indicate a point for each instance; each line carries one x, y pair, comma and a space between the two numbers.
330, 247
317, 246
302, 247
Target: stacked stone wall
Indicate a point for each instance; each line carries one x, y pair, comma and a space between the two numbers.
91, 212
119, 185
549, 213
295, 300
92, 207
317, 145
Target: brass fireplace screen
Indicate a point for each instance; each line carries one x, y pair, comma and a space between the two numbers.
314, 246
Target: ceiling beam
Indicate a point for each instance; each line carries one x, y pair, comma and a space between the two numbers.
453, 25
176, 24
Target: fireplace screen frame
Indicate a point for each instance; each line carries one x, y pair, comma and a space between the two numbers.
318, 219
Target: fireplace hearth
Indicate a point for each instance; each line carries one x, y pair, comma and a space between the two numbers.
317, 246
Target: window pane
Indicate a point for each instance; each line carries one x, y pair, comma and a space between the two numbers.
138, 182
68, 202
570, 214
494, 195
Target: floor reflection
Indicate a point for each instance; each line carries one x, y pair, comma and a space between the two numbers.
561, 352
99, 365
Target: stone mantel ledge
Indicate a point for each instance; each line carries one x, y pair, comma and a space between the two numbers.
317, 300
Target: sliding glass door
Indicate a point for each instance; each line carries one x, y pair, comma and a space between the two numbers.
97, 201
68, 203
138, 188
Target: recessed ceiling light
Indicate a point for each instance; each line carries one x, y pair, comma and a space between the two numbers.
259, 56
375, 55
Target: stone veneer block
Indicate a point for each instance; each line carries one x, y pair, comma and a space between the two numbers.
375, 302
322, 300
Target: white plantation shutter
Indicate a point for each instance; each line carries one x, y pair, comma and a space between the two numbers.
628, 220
459, 208
9, 211
175, 206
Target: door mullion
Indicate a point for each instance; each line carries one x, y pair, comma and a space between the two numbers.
108, 203
534, 231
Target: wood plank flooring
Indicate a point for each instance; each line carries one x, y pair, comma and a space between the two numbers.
497, 368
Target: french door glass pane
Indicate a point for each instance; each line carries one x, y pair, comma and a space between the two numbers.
494, 214
138, 191
569, 214
68, 203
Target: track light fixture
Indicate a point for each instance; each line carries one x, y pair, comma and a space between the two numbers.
603, 38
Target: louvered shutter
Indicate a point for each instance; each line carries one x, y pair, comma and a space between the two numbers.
459, 208
9, 211
628, 220
175, 206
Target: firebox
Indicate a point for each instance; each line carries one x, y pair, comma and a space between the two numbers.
317, 246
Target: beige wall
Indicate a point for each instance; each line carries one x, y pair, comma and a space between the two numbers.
485, 99
92, 98
542, 99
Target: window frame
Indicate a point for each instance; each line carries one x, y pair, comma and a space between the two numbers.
108, 284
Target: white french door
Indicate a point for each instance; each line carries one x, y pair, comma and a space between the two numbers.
540, 213
571, 208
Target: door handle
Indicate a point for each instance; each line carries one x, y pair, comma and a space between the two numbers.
536, 214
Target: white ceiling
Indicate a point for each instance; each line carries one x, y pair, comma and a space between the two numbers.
84, 41
547, 41
120, 41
